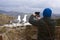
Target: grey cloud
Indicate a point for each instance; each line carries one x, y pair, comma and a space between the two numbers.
26, 5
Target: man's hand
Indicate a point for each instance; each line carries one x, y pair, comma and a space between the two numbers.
38, 18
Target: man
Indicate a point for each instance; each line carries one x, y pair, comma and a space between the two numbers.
34, 18
45, 25
46, 28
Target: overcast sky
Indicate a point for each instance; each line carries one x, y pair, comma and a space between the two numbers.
30, 5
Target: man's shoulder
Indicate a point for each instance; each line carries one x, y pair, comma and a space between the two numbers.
41, 20
31, 15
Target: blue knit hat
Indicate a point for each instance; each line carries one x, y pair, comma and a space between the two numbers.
47, 12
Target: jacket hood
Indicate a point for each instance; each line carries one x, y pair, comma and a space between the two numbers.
47, 12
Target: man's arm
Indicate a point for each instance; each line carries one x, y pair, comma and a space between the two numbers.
32, 20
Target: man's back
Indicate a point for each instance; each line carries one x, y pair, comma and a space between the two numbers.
46, 29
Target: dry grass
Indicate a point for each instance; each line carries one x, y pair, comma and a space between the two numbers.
24, 34
4, 19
